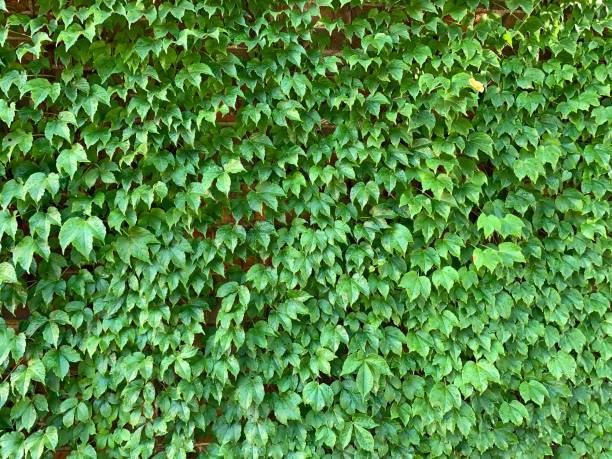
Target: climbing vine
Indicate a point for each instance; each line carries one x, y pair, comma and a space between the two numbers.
303, 229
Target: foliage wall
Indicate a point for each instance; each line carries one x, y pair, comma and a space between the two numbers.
297, 229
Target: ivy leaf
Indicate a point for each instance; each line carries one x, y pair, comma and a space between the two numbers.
364, 438
511, 225
40, 89
7, 273
11, 444
224, 183
182, 368
525, 5
421, 53
562, 364
286, 407
23, 253
365, 379
445, 277
8, 224
511, 251
534, 391
57, 128
233, 166
135, 244
7, 112
80, 233
69, 159
36, 370
479, 374
444, 397
351, 363
23, 375
317, 395
249, 391
415, 285
397, 239
489, 224
39, 182
514, 412
479, 141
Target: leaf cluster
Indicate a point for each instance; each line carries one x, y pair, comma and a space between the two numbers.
305, 229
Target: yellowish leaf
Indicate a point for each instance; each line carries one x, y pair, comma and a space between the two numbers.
476, 85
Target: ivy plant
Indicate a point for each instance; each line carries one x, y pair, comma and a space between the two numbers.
305, 229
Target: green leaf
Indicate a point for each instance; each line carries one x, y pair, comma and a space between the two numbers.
80, 233
41, 89
287, 407
479, 374
39, 182
233, 166
562, 364
444, 397
51, 437
489, 224
365, 379
7, 112
512, 252
8, 224
397, 239
488, 257
182, 369
57, 128
249, 390
317, 395
526, 5
352, 362
36, 370
445, 277
69, 159
421, 53
511, 225
534, 391
514, 412
416, 285
479, 141
364, 438
224, 183
23, 253
7, 273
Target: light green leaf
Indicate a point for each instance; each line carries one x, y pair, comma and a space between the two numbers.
7, 273
514, 412
317, 395
365, 379
80, 233
534, 391
445, 277
69, 159
444, 397
397, 238
489, 224
7, 112
23, 253
224, 183
352, 362
561, 364
511, 252
364, 438
479, 141
233, 166
479, 374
